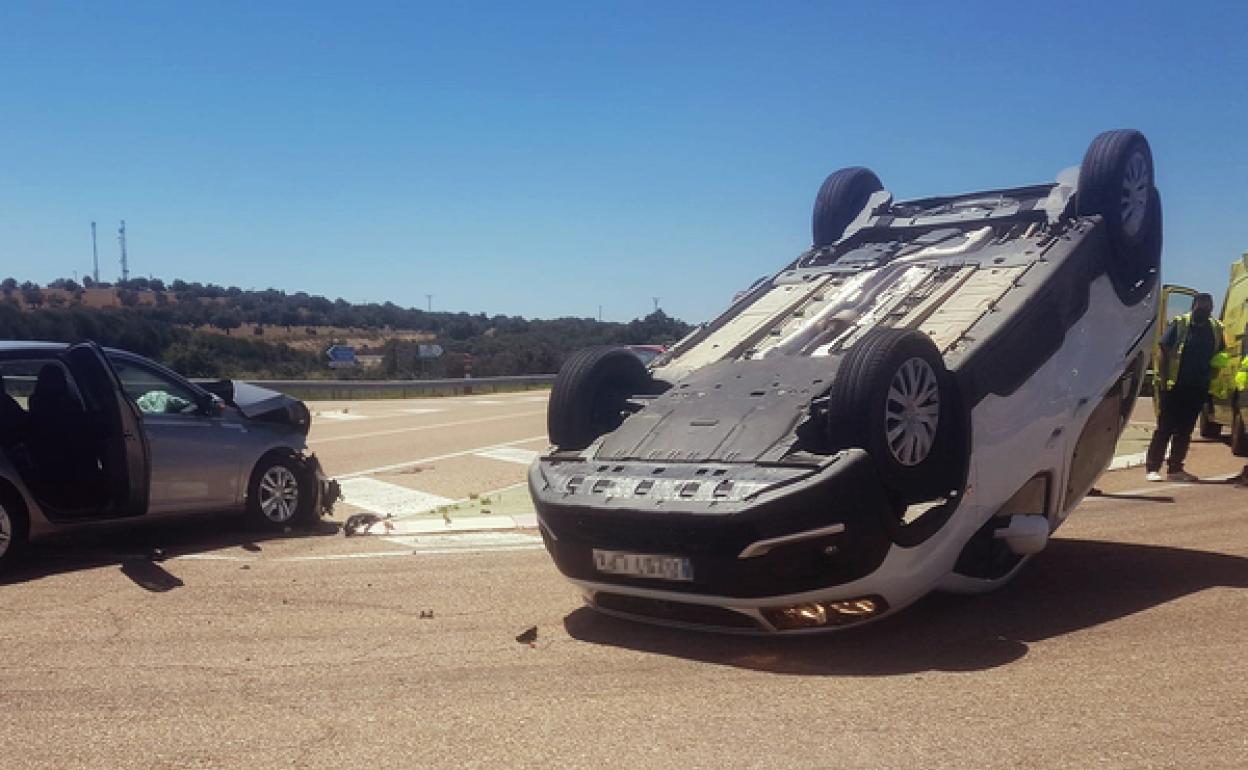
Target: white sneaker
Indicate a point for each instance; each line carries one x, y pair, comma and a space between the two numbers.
1181, 476
1153, 476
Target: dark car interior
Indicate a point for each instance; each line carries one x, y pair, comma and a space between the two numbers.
55, 443
14, 422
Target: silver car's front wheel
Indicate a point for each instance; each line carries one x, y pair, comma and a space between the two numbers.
6, 531
277, 496
13, 530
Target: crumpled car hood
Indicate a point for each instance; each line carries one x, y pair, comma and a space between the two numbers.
254, 401
257, 403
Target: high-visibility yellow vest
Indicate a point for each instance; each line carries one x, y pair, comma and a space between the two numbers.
1184, 323
1241, 377
1217, 383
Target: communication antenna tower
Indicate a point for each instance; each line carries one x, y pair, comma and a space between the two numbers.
95, 257
125, 264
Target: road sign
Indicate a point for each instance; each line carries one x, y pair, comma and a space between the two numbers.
341, 354
430, 351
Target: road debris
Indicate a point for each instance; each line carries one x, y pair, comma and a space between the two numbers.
362, 523
528, 636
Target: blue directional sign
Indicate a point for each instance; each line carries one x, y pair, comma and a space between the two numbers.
429, 351
341, 355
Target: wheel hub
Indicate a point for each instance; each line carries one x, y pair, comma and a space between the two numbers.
1137, 186
279, 494
912, 412
6, 531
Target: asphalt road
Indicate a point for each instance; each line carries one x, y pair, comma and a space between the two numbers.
1121, 646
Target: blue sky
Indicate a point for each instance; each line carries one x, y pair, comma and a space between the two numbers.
545, 159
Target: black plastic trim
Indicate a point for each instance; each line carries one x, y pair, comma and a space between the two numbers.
848, 492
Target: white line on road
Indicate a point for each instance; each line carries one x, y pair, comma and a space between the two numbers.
437, 545
468, 542
383, 497
339, 416
1122, 462
510, 455
416, 428
435, 458
421, 411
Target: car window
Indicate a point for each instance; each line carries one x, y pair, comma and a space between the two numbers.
153, 392
18, 379
646, 356
1178, 304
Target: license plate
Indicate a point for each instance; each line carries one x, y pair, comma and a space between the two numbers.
643, 565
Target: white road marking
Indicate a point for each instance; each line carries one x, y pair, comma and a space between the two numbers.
417, 428
427, 545
486, 401
1127, 461
474, 542
435, 458
429, 526
421, 411
386, 498
510, 455
339, 416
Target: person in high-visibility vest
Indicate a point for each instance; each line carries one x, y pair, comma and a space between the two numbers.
1241, 386
1184, 376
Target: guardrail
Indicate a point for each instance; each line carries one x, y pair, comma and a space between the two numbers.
345, 390
20, 386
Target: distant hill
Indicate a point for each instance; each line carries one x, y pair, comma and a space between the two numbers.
213, 331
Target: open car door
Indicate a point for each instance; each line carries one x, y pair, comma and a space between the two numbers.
124, 453
1174, 302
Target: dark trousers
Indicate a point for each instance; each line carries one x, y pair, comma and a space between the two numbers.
1179, 409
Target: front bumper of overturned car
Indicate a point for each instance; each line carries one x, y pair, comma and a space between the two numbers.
798, 550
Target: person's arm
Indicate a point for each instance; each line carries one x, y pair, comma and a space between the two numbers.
1168, 340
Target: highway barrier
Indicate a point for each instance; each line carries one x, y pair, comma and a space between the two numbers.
350, 390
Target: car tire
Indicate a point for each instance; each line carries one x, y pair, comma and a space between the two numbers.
893, 397
14, 533
280, 494
590, 394
1239, 441
840, 199
1208, 428
1116, 183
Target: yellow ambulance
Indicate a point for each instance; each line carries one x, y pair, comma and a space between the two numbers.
1227, 407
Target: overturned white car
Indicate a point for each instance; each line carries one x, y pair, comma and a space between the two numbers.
916, 402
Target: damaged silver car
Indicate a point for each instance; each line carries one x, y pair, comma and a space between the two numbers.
89, 434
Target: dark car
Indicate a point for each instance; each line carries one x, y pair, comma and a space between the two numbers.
91, 435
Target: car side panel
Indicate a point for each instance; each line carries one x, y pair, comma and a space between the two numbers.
195, 461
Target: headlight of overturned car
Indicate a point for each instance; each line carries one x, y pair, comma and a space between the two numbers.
825, 614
